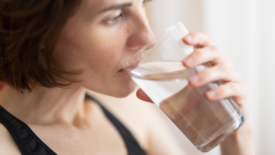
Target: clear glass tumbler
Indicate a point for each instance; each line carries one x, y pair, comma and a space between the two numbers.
161, 75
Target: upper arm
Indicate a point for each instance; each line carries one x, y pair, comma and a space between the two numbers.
7, 144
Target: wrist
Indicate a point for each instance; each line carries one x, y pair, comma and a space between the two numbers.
241, 142
246, 130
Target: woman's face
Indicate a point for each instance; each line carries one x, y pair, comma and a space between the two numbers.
99, 38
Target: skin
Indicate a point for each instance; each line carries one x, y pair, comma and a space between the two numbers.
98, 43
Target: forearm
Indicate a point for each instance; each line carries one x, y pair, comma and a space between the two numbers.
240, 143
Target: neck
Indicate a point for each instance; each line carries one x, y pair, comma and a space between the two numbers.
45, 105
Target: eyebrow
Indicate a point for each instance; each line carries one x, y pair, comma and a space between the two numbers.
117, 7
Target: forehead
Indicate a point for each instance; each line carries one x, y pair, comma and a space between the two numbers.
91, 8
100, 4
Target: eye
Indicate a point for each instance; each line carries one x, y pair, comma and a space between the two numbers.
115, 19
145, 2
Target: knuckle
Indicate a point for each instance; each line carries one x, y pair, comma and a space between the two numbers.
224, 69
194, 33
228, 62
236, 76
214, 48
230, 73
239, 76
206, 74
199, 52
223, 90
203, 37
207, 36
233, 88
245, 90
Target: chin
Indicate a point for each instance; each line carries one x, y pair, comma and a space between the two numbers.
118, 88
124, 91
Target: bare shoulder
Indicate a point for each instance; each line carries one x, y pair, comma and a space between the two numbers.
147, 117
135, 114
130, 109
7, 144
146, 121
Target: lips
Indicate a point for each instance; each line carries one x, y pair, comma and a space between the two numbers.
133, 66
130, 66
132, 63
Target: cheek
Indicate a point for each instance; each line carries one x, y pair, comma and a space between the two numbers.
99, 55
80, 51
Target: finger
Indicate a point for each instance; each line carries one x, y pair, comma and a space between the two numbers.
219, 72
197, 39
236, 90
223, 61
202, 55
142, 96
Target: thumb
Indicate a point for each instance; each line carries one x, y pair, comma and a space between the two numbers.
142, 96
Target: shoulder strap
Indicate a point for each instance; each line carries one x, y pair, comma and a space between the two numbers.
25, 138
131, 143
30, 144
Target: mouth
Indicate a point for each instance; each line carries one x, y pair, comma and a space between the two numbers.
132, 63
130, 67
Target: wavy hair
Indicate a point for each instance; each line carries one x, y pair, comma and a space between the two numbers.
29, 30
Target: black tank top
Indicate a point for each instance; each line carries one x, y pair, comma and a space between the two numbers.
30, 144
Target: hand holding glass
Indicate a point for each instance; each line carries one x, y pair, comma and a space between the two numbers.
160, 73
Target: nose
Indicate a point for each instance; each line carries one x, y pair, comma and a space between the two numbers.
141, 35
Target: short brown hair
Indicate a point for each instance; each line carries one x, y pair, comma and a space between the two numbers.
29, 30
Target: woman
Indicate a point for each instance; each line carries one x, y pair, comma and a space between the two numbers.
53, 51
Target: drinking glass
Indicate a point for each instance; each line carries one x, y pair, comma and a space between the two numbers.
159, 72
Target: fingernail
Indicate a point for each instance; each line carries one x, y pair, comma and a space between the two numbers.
189, 38
211, 94
195, 79
188, 61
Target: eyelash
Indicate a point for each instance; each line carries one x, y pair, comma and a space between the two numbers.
121, 15
115, 19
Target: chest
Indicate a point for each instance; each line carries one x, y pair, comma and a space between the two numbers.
96, 135
103, 139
